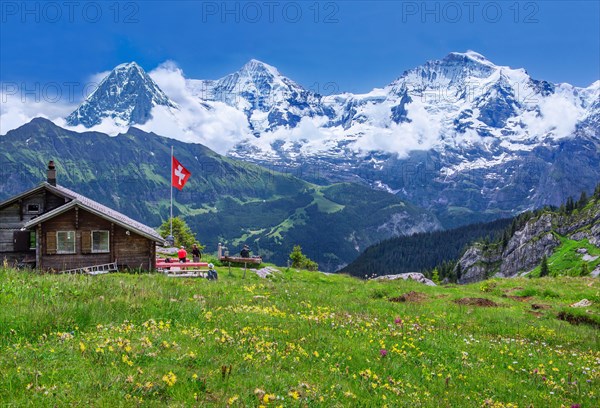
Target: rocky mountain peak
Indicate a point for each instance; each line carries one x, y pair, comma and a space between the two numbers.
255, 67
127, 95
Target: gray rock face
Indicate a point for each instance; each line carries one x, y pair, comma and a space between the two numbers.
595, 234
478, 264
527, 256
526, 248
472, 265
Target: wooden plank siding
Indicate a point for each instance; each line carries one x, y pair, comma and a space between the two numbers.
133, 251
129, 251
14, 215
10, 224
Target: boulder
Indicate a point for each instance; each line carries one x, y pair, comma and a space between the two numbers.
582, 303
264, 272
418, 277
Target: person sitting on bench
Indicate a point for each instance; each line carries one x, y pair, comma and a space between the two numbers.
212, 274
245, 252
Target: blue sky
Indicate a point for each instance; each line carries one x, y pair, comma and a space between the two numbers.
355, 45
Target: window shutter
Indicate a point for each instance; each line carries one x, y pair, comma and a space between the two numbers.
86, 242
50, 243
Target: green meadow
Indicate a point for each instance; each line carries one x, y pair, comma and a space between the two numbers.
296, 339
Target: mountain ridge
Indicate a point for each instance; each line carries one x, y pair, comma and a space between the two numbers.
224, 201
460, 136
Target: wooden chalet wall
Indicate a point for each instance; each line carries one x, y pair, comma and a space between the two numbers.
15, 215
133, 251
129, 250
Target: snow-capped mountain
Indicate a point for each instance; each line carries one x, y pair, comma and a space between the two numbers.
462, 136
127, 95
269, 99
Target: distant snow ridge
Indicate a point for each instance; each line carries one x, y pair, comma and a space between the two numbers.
476, 136
456, 135
460, 100
127, 95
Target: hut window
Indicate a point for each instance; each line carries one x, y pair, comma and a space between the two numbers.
65, 242
33, 208
100, 241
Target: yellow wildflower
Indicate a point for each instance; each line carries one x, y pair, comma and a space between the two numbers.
170, 379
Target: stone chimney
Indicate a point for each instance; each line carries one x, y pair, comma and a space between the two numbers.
51, 173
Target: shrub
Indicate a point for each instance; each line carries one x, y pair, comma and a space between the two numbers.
299, 260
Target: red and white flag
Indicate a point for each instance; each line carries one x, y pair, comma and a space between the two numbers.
180, 175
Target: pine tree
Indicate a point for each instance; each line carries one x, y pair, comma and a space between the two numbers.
299, 260
597, 191
181, 232
505, 239
435, 276
583, 200
570, 206
297, 257
458, 271
562, 209
544, 268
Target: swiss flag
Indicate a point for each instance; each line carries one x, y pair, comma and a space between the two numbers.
180, 175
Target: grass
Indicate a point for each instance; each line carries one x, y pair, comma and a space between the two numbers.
325, 205
567, 261
297, 339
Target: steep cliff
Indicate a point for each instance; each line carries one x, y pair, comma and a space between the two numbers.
569, 238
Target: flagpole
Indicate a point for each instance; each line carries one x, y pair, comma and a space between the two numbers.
171, 219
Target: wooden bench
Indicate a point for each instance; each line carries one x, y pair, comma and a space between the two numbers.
238, 259
255, 260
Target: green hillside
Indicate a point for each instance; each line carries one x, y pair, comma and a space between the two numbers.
421, 252
569, 236
224, 201
297, 339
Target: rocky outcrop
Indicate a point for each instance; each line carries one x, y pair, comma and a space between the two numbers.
529, 255
478, 263
525, 249
403, 223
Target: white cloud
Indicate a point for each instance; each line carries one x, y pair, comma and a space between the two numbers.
557, 115
421, 133
18, 106
213, 124
220, 126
